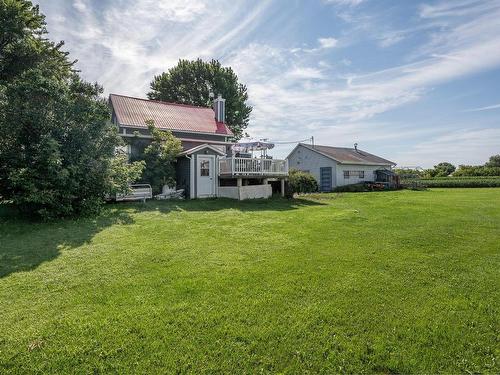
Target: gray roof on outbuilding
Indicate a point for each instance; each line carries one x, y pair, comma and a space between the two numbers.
346, 155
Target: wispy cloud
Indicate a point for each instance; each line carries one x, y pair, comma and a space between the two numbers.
351, 3
460, 146
123, 46
487, 108
457, 8
289, 105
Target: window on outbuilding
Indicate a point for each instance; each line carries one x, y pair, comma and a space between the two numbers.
358, 174
205, 168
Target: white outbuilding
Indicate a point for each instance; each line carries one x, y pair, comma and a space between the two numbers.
337, 166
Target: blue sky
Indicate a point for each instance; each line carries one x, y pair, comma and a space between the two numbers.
415, 82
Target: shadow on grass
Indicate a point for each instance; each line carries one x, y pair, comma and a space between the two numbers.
24, 245
218, 204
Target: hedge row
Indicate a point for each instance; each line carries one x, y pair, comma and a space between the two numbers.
463, 178
457, 182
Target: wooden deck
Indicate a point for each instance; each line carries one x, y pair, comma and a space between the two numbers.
252, 167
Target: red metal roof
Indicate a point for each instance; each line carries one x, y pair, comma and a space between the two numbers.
182, 117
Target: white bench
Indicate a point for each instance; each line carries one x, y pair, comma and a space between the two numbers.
139, 192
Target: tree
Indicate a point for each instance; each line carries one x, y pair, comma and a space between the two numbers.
57, 146
443, 169
23, 44
494, 161
190, 82
160, 157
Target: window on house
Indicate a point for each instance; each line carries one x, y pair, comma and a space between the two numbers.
205, 168
346, 174
361, 174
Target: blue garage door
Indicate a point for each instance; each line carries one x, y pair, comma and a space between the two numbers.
325, 183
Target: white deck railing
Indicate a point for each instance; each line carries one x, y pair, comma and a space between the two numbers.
253, 167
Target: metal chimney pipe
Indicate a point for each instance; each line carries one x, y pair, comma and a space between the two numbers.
220, 108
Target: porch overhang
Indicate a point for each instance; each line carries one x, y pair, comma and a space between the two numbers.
201, 148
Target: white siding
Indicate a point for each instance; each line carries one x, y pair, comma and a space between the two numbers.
368, 169
304, 159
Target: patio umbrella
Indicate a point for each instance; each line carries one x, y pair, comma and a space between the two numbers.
251, 144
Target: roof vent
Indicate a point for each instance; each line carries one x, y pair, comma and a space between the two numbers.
356, 146
220, 109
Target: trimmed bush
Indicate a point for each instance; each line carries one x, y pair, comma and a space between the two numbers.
353, 188
301, 182
464, 178
461, 182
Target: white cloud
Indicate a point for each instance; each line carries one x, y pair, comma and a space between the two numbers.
305, 73
327, 42
80, 6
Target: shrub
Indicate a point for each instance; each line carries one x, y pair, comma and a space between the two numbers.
301, 182
122, 174
353, 188
160, 157
477, 171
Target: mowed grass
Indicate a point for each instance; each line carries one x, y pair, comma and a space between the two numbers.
389, 282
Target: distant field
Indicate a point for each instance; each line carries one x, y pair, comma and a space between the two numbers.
386, 282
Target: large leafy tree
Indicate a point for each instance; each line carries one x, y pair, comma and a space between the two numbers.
494, 161
442, 169
190, 82
57, 147
23, 43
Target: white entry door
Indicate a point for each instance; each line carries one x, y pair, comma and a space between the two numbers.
205, 173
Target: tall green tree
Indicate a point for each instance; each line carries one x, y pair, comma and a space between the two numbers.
190, 82
494, 161
443, 169
57, 146
24, 45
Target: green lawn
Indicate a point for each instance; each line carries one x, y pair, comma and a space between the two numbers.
389, 282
